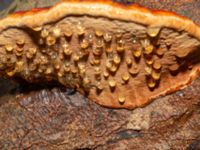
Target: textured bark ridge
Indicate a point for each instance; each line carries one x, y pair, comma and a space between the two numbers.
49, 119
120, 61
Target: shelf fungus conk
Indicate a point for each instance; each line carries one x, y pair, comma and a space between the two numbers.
119, 56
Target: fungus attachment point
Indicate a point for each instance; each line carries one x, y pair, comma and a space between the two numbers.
114, 57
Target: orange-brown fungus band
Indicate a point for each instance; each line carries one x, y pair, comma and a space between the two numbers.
119, 56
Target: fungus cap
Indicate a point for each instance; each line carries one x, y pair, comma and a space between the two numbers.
115, 44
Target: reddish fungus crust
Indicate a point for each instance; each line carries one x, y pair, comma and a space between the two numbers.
119, 56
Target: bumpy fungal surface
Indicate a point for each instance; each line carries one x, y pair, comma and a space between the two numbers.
119, 56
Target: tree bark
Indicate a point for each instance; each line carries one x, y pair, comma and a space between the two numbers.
58, 118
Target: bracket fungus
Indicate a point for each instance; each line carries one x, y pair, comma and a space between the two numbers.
119, 56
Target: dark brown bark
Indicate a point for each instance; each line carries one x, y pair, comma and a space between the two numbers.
57, 118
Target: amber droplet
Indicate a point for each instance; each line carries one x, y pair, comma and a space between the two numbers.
44, 33
56, 32
112, 83
95, 61
57, 66
125, 77
157, 64
174, 67
99, 43
155, 74
76, 58
153, 31
19, 54
118, 34
106, 74
48, 71
109, 50
149, 61
108, 64
99, 86
82, 72
145, 43
134, 70
90, 38
86, 81
81, 66
74, 70
32, 67
99, 33
43, 60
40, 41
113, 69
10, 61
9, 48
97, 51
181, 53
121, 99
128, 61
148, 70
11, 73
116, 59
97, 71
68, 33
134, 39
2, 66
120, 46
84, 44
19, 66
66, 49
107, 37
51, 40
160, 51
67, 67
37, 29
151, 83
149, 49
137, 53
31, 52
60, 73
20, 42
19, 50
80, 29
